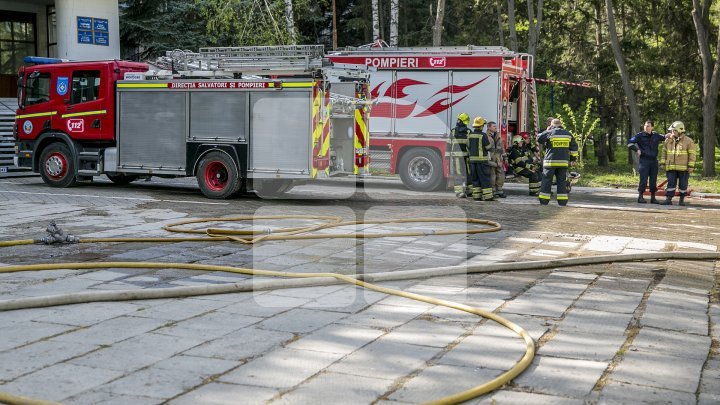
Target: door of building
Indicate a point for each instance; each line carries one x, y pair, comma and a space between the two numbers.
17, 40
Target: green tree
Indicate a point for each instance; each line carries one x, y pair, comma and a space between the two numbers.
148, 28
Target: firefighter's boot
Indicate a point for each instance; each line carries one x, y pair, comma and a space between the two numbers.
641, 199
668, 201
653, 200
682, 200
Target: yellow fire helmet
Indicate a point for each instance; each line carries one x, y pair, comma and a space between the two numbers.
677, 126
517, 139
464, 118
479, 122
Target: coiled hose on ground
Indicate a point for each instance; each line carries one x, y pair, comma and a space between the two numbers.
294, 280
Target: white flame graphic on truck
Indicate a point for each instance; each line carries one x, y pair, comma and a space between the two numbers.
404, 108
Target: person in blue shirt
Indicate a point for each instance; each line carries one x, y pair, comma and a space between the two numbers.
645, 144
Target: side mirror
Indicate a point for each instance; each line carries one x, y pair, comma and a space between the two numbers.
20, 88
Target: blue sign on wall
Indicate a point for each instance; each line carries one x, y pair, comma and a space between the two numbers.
85, 37
84, 23
100, 24
102, 38
93, 31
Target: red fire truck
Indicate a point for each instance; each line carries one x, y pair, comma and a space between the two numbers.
420, 92
254, 118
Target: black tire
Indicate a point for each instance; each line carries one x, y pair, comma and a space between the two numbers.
272, 188
421, 169
121, 179
57, 165
218, 176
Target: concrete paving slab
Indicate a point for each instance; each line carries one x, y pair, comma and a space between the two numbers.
33, 357
155, 383
563, 377
264, 304
218, 393
542, 300
241, 344
137, 352
426, 333
589, 321
283, 368
385, 359
337, 338
608, 300
439, 381
616, 392
492, 348
506, 397
208, 326
657, 370
688, 314
300, 320
671, 343
337, 388
384, 316
55, 383
99, 397
26, 332
347, 300
583, 345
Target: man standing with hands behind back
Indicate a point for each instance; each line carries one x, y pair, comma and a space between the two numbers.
645, 144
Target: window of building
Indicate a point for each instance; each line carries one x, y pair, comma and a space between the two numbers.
51, 32
17, 40
38, 89
85, 86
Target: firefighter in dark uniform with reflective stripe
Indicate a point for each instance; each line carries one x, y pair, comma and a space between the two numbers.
522, 160
561, 150
479, 159
458, 156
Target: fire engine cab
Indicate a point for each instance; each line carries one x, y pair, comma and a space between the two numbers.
254, 118
421, 91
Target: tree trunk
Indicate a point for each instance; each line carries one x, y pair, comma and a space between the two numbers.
290, 22
394, 11
438, 27
511, 25
711, 82
375, 21
622, 68
501, 34
602, 149
534, 25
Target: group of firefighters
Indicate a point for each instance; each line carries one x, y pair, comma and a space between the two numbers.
478, 158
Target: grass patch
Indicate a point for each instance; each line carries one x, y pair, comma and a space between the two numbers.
619, 174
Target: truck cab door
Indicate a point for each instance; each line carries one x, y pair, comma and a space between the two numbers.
83, 114
38, 106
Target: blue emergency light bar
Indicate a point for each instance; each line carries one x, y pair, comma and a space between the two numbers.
39, 60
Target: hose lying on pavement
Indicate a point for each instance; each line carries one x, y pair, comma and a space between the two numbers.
313, 279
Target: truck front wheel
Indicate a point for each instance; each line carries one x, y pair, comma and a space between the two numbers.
218, 176
57, 165
421, 169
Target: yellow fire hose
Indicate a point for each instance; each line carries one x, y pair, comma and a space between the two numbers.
249, 237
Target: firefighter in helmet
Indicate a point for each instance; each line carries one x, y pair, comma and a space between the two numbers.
479, 160
678, 157
458, 155
522, 161
561, 151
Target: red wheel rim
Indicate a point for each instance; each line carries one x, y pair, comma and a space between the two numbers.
56, 166
216, 176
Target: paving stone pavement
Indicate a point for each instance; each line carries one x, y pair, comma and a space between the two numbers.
615, 333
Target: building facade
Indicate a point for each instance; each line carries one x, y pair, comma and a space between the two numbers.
66, 29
